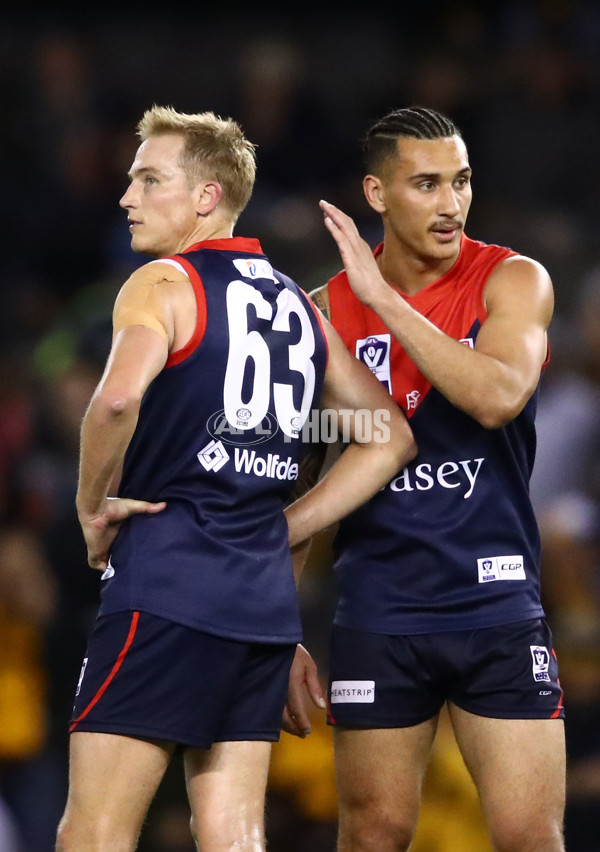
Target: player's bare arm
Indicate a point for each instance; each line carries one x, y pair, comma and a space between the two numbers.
145, 329
492, 382
364, 467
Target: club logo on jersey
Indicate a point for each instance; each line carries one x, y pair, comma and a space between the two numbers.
374, 351
213, 456
412, 399
255, 267
541, 663
221, 429
501, 568
353, 692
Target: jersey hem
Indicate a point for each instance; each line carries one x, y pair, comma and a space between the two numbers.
447, 626
262, 638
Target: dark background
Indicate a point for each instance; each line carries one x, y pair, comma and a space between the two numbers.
521, 79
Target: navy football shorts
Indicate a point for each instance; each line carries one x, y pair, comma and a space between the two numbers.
506, 672
144, 676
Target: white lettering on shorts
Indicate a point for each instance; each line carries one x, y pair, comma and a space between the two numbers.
353, 692
500, 568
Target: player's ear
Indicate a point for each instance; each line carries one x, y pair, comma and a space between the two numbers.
209, 193
373, 189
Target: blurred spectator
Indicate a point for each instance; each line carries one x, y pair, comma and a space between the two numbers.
27, 605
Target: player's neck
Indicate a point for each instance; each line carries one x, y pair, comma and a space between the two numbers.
410, 272
211, 228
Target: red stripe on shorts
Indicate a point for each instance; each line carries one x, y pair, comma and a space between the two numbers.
118, 663
557, 712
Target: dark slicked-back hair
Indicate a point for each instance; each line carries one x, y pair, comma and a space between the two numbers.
380, 142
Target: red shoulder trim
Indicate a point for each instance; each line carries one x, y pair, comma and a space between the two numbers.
196, 338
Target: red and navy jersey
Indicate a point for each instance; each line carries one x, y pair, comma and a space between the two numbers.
219, 439
451, 542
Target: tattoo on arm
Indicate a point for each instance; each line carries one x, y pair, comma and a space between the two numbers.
322, 302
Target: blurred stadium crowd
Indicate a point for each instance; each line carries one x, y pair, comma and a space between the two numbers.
522, 79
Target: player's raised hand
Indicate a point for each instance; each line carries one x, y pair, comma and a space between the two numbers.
357, 256
100, 530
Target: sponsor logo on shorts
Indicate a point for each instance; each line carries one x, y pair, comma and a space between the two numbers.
374, 351
492, 568
353, 692
541, 663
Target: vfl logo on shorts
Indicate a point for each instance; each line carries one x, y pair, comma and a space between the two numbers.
500, 568
541, 663
374, 351
353, 692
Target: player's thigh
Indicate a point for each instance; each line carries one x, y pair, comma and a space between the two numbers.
112, 780
380, 772
518, 766
226, 788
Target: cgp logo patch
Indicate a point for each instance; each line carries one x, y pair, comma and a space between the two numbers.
492, 568
353, 692
374, 351
541, 663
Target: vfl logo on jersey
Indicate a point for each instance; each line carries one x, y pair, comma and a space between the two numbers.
541, 663
255, 267
501, 568
374, 351
353, 692
213, 456
412, 399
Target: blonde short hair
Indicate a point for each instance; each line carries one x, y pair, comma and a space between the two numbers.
215, 148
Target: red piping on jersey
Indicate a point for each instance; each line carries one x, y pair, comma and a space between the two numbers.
196, 338
237, 244
119, 662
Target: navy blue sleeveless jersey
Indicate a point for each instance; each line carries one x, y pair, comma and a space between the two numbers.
451, 542
218, 438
